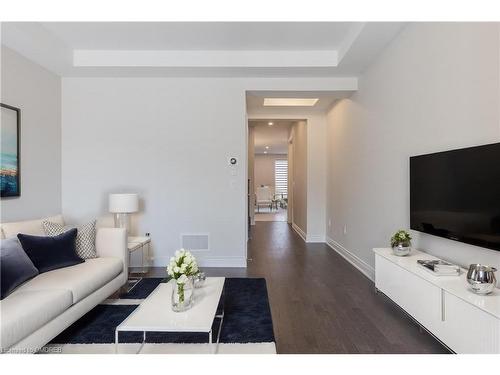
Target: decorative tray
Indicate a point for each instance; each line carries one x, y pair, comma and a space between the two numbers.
439, 267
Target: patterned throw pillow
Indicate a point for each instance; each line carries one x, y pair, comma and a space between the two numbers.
85, 238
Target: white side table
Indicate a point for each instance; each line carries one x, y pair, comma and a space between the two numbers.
144, 245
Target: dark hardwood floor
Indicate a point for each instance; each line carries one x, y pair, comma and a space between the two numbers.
320, 303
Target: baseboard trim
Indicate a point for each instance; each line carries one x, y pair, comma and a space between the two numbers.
233, 262
357, 262
315, 238
206, 261
299, 231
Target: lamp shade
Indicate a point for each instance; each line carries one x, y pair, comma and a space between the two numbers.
123, 203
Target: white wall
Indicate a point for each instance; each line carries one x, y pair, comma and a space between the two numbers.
37, 92
316, 177
436, 87
251, 173
167, 140
264, 170
299, 176
170, 140
289, 208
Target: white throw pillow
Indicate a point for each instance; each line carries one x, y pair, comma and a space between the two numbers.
85, 237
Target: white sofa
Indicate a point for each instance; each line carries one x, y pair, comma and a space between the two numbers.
40, 309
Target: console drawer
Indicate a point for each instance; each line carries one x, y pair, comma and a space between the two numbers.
418, 297
468, 329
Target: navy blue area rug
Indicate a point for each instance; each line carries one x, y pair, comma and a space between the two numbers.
247, 318
143, 288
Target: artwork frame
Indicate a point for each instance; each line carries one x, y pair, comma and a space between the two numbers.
10, 173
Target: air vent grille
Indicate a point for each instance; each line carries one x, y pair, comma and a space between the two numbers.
195, 242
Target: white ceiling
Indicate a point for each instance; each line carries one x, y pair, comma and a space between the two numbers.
251, 49
275, 137
201, 35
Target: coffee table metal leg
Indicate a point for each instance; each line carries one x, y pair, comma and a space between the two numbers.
210, 342
221, 316
143, 342
116, 341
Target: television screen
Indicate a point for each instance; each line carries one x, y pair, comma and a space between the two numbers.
456, 195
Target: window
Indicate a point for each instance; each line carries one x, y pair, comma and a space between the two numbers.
281, 176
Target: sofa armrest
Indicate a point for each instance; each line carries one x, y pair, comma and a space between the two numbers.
112, 242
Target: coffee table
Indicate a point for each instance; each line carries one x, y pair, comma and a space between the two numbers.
155, 313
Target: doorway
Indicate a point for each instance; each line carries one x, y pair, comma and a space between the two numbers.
268, 169
277, 172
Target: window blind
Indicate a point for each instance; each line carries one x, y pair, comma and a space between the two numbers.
281, 176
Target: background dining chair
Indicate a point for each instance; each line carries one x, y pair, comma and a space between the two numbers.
264, 197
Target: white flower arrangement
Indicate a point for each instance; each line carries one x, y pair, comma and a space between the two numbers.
182, 266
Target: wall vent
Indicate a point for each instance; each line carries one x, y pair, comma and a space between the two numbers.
195, 242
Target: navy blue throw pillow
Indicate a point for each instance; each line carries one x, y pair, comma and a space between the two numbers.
15, 266
53, 252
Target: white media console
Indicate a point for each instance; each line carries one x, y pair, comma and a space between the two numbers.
465, 322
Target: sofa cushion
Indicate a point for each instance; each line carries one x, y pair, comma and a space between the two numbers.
33, 227
25, 312
51, 252
82, 279
15, 266
85, 238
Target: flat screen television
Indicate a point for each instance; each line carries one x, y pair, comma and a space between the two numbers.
456, 195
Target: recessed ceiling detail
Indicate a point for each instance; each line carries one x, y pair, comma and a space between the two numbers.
205, 58
322, 100
200, 49
290, 102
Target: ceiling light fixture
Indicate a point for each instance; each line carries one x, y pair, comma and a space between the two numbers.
267, 147
270, 123
290, 102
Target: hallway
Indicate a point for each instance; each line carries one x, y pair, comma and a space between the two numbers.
278, 214
321, 304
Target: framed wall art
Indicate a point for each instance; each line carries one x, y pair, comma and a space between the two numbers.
10, 132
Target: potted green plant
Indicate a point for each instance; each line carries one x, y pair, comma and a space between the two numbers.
401, 243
